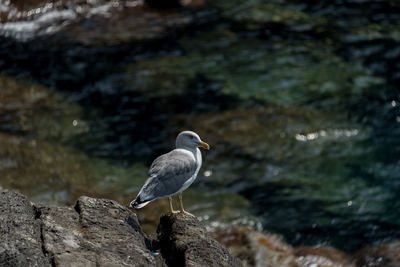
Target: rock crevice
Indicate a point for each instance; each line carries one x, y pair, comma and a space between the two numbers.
20, 231
38, 213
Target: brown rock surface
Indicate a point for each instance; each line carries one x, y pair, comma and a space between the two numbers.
257, 249
322, 256
384, 255
270, 250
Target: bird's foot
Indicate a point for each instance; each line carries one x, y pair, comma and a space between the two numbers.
175, 211
188, 213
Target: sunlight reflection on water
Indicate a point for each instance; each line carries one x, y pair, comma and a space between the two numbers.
329, 134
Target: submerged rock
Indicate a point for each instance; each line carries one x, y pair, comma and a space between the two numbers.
257, 249
384, 255
100, 232
266, 249
49, 171
322, 256
31, 109
37, 127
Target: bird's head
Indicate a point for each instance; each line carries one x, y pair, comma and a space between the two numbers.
189, 139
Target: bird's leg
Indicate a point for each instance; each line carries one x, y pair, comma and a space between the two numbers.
182, 209
170, 205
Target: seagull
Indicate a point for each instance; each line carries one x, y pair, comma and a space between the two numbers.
173, 172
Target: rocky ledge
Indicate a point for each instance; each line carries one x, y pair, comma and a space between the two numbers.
100, 232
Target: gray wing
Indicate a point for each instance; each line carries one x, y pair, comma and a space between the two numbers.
167, 175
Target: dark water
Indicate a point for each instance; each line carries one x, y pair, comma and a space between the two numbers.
299, 101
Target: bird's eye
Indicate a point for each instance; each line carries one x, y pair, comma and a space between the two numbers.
191, 137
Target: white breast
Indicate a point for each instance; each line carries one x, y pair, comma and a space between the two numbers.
198, 160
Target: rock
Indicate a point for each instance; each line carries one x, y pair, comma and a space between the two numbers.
322, 256
384, 255
255, 248
184, 241
100, 232
270, 250
21, 243
97, 232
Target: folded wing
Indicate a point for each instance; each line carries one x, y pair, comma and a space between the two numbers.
167, 175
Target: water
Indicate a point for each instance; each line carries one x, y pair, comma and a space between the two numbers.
298, 100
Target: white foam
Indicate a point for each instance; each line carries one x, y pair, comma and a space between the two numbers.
46, 23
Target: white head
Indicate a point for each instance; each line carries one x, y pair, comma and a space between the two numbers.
190, 140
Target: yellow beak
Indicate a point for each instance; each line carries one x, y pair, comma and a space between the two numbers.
204, 145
